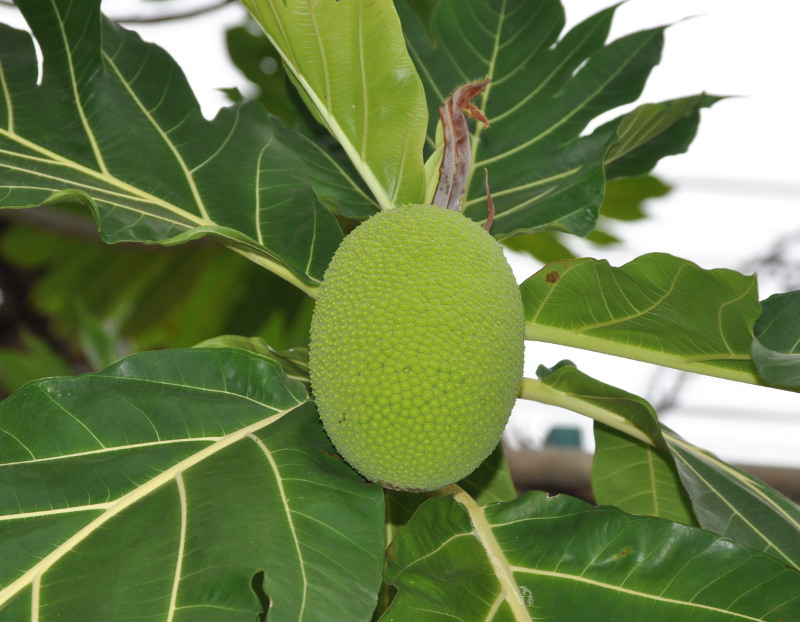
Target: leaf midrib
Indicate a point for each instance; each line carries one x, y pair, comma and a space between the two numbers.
128, 190
289, 520
109, 449
704, 364
630, 592
164, 137
37, 571
76, 93
491, 63
324, 107
483, 532
555, 126
173, 598
744, 481
7, 99
580, 336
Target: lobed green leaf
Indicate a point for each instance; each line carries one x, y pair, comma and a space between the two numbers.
633, 467
728, 501
113, 126
349, 62
637, 477
623, 200
544, 92
657, 308
541, 557
654, 470
776, 347
653, 131
180, 484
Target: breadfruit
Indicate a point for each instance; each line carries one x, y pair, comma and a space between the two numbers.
416, 347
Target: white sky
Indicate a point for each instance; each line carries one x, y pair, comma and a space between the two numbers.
737, 190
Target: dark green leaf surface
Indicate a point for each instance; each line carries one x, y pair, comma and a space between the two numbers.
661, 470
350, 64
293, 361
564, 385
657, 308
164, 484
569, 561
490, 483
114, 126
633, 467
653, 131
637, 477
335, 182
735, 504
776, 347
544, 92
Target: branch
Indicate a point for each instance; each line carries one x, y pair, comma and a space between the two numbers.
174, 16
156, 18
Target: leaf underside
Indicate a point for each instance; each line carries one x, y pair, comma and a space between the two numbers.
637, 477
349, 63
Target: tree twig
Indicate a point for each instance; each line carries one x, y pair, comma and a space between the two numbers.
156, 18
173, 16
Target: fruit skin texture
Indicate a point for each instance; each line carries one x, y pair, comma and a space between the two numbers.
417, 347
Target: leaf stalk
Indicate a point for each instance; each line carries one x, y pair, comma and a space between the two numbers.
538, 391
483, 531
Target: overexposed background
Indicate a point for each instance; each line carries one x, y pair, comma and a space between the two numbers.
736, 194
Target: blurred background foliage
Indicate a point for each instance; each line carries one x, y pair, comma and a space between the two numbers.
73, 304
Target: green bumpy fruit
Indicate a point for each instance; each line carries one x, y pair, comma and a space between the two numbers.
417, 347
